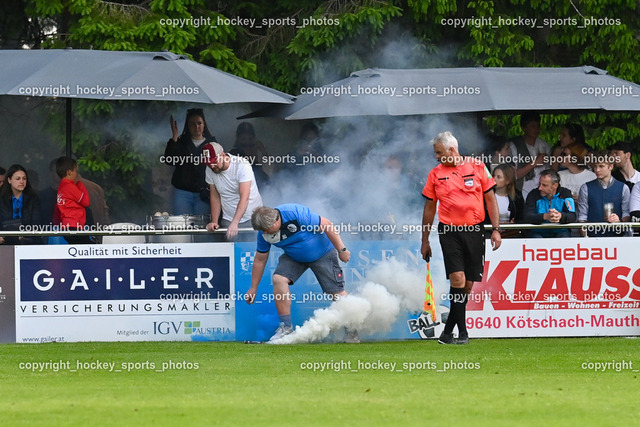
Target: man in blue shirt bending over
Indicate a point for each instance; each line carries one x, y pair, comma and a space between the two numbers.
308, 241
550, 203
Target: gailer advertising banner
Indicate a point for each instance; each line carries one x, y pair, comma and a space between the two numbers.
182, 291
558, 287
144, 292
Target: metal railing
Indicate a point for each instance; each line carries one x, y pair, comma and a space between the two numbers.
586, 229
571, 225
117, 232
143, 230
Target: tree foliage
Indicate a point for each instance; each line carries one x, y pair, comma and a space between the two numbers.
341, 36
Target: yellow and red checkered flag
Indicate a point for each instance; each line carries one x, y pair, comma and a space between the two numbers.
429, 300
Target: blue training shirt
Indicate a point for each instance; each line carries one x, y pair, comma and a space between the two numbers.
544, 205
299, 236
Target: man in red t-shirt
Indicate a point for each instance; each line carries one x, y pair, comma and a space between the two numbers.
460, 186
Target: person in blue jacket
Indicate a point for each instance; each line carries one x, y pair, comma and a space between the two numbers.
550, 203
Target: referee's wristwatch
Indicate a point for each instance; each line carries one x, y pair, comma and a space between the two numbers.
498, 229
343, 249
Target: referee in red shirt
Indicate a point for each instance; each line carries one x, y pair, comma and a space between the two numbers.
461, 186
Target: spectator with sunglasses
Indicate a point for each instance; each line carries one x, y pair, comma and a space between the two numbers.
191, 192
19, 206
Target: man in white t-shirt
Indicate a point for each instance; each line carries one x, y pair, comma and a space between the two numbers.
232, 189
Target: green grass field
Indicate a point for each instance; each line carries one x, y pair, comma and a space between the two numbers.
495, 382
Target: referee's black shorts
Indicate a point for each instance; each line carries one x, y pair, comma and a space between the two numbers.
463, 249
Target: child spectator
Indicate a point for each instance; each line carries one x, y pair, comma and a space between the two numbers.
72, 201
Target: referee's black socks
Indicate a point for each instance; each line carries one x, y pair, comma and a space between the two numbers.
457, 311
462, 312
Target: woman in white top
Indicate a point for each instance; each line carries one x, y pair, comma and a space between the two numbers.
510, 200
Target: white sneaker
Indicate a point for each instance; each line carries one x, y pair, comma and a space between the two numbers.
281, 332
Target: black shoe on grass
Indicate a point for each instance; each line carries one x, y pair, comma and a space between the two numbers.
463, 339
445, 338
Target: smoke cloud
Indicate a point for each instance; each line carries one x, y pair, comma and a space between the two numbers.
392, 288
379, 168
